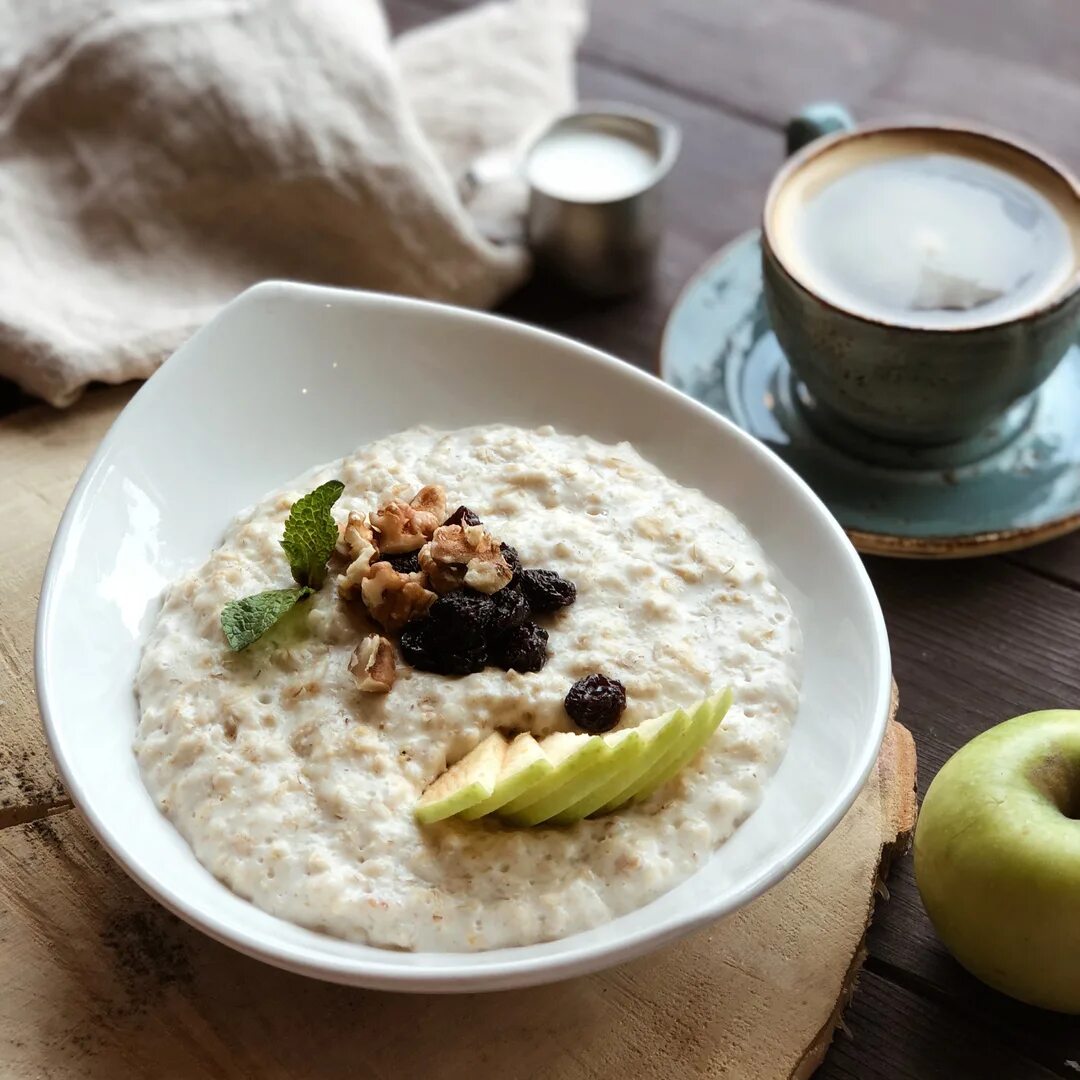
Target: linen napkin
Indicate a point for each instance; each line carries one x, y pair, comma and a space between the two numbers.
159, 156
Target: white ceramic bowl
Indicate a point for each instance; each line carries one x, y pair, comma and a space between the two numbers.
288, 376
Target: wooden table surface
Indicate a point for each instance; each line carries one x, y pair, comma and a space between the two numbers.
973, 642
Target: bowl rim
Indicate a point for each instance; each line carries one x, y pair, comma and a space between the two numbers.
473, 973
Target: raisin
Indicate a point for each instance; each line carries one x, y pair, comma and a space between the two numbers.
407, 563
462, 516
524, 648
414, 643
509, 608
595, 703
459, 661
511, 556
547, 591
425, 646
461, 618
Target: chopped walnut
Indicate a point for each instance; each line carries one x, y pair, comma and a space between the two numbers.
464, 555
373, 665
401, 527
349, 583
431, 499
355, 542
393, 599
355, 536
355, 574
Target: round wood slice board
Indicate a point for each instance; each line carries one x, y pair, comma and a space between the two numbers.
98, 981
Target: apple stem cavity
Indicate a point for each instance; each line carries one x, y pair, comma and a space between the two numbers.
1058, 778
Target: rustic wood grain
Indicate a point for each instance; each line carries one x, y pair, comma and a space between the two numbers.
1036, 105
1058, 562
973, 643
1044, 34
99, 981
43, 450
905, 950
894, 1034
761, 61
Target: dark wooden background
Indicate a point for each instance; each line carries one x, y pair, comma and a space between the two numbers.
975, 642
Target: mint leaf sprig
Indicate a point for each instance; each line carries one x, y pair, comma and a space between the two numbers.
310, 536
311, 533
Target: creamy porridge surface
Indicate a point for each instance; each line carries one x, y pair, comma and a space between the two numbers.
297, 790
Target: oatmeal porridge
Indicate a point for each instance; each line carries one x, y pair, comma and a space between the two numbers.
294, 766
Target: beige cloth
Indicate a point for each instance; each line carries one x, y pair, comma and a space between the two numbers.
158, 156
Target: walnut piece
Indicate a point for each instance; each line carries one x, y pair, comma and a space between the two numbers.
355, 573
401, 527
373, 665
355, 536
431, 499
355, 542
468, 555
393, 599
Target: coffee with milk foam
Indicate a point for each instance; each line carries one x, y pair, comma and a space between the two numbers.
902, 228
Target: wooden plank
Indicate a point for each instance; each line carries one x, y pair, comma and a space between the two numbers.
99, 981
905, 949
43, 451
973, 643
764, 61
1043, 34
1058, 561
761, 61
898, 1035
1039, 106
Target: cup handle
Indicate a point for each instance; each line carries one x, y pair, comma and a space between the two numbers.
821, 118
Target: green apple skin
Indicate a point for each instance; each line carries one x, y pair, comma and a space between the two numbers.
997, 857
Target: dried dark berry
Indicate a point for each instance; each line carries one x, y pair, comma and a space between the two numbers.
414, 643
511, 556
595, 703
509, 608
408, 563
425, 646
547, 591
459, 661
524, 648
462, 516
461, 619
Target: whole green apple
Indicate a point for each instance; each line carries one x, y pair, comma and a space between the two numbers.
997, 857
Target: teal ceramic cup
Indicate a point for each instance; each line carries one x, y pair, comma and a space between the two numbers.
872, 377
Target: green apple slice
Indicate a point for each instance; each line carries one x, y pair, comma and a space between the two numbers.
570, 754
705, 718
630, 759
618, 746
525, 764
464, 784
674, 730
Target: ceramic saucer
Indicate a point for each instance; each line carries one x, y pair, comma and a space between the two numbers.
1016, 485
